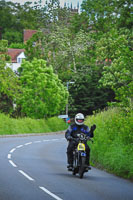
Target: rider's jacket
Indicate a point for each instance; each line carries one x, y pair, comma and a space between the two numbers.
75, 129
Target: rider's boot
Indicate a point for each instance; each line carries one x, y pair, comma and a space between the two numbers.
70, 162
87, 166
70, 167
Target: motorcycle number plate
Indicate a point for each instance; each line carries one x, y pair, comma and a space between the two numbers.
83, 154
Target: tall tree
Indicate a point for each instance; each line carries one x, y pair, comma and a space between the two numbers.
43, 94
118, 74
60, 49
9, 84
85, 94
73, 58
104, 14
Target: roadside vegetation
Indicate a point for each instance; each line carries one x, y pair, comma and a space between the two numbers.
112, 149
9, 126
91, 49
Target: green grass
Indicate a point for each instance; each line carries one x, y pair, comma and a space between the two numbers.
26, 125
112, 149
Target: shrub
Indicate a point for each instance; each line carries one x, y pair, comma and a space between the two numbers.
112, 148
27, 125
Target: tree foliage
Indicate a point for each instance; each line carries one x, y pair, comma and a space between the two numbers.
60, 49
43, 94
110, 24
92, 48
117, 74
14, 17
9, 84
105, 14
86, 96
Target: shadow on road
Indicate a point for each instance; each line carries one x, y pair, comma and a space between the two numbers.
86, 176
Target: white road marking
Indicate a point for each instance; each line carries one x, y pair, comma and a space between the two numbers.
9, 156
12, 150
28, 143
19, 146
46, 140
27, 176
37, 141
50, 193
12, 163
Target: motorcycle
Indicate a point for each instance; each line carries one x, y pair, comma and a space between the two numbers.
79, 155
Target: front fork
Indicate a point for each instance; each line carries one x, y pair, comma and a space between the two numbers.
77, 158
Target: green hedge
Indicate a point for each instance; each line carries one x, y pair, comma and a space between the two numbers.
113, 142
26, 125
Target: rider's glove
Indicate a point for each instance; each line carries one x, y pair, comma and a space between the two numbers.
93, 128
88, 138
69, 138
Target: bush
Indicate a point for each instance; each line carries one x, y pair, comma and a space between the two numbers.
26, 125
113, 142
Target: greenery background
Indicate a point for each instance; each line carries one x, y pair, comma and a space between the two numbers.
93, 49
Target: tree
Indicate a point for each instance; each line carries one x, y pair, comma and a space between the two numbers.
79, 22
43, 94
124, 14
7, 19
17, 46
9, 84
34, 46
73, 58
118, 73
60, 49
105, 14
13, 36
65, 50
14, 18
85, 94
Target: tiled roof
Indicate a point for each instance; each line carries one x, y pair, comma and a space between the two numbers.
14, 54
28, 34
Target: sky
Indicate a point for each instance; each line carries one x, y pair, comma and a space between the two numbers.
68, 2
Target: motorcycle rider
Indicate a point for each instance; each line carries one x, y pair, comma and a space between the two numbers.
72, 132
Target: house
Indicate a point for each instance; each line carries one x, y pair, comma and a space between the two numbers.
28, 34
17, 55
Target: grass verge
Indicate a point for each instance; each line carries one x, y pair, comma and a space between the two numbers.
9, 126
112, 149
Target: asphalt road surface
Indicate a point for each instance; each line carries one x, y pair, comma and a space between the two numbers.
34, 168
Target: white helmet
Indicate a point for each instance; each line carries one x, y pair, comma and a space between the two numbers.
79, 119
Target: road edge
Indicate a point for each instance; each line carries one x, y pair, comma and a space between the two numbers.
32, 134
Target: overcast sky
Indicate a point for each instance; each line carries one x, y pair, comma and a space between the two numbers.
68, 2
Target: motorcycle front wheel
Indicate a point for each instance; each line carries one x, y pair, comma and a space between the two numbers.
82, 167
75, 171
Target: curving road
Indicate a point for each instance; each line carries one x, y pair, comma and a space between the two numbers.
34, 168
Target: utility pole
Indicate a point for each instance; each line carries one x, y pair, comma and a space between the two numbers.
71, 82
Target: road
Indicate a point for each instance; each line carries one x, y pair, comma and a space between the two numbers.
34, 168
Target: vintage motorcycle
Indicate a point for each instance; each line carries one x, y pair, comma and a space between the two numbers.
79, 155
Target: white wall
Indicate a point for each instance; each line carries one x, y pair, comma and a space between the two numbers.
20, 57
14, 66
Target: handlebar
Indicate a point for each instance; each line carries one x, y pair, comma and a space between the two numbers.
85, 137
